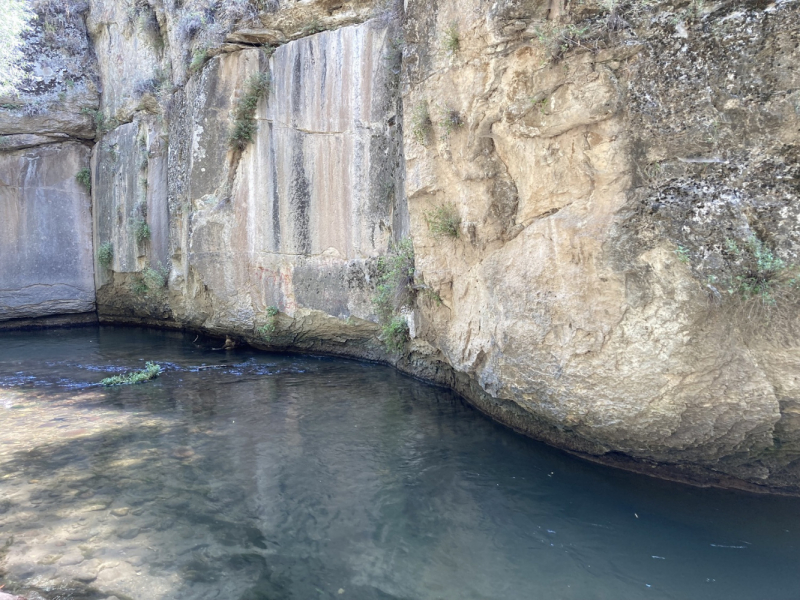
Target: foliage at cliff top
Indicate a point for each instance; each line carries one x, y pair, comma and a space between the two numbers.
151, 371
15, 18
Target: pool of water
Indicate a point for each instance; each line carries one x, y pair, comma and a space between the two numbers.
242, 475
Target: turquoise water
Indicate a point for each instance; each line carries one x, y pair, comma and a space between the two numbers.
242, 475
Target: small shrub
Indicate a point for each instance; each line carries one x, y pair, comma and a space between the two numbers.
138, 286
151, 371
558, 39
433, 296
758, 272
315, 26
393, 57
248, 10
141, 231
244, 122
242, 133
395, 287
452, 40
451, 119
105, 254
101, 124
758, 291
444, 220
268, 328
394, 334
189, 25
155, 279
199, 58
421, 123
540, 104
84, 177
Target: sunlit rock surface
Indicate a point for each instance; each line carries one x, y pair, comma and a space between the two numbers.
294, 221
610, 172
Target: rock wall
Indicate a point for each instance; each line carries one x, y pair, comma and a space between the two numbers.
602, 200
45, 214
295, 221
610, 176
45, 233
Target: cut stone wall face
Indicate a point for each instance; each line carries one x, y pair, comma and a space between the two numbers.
45, 233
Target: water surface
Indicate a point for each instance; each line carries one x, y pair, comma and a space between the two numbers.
242, 475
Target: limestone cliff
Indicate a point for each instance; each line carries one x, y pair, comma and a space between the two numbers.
602, 200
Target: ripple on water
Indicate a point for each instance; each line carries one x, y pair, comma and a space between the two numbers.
244, 476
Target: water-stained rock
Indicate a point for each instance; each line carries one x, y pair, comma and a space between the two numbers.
45, 233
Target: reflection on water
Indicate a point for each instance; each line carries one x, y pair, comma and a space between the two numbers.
247, 476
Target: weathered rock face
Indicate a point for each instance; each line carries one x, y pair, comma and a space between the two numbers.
45, 233
596, 195
295, 221
46, 214
603, 206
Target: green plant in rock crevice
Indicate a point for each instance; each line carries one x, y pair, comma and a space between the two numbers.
682, 254
101, 123
155, 279
199, 58
105, 254
268, 328
443, 220
393, 292
141, 230
315, 26
150, 282
558, 39
450, 121
395, 334
138, 220
757, 272
452, 39
421, 123
244, 122
758, 291
84, 177
138, 286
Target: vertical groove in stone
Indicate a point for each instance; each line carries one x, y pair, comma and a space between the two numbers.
299, 197
276, 199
